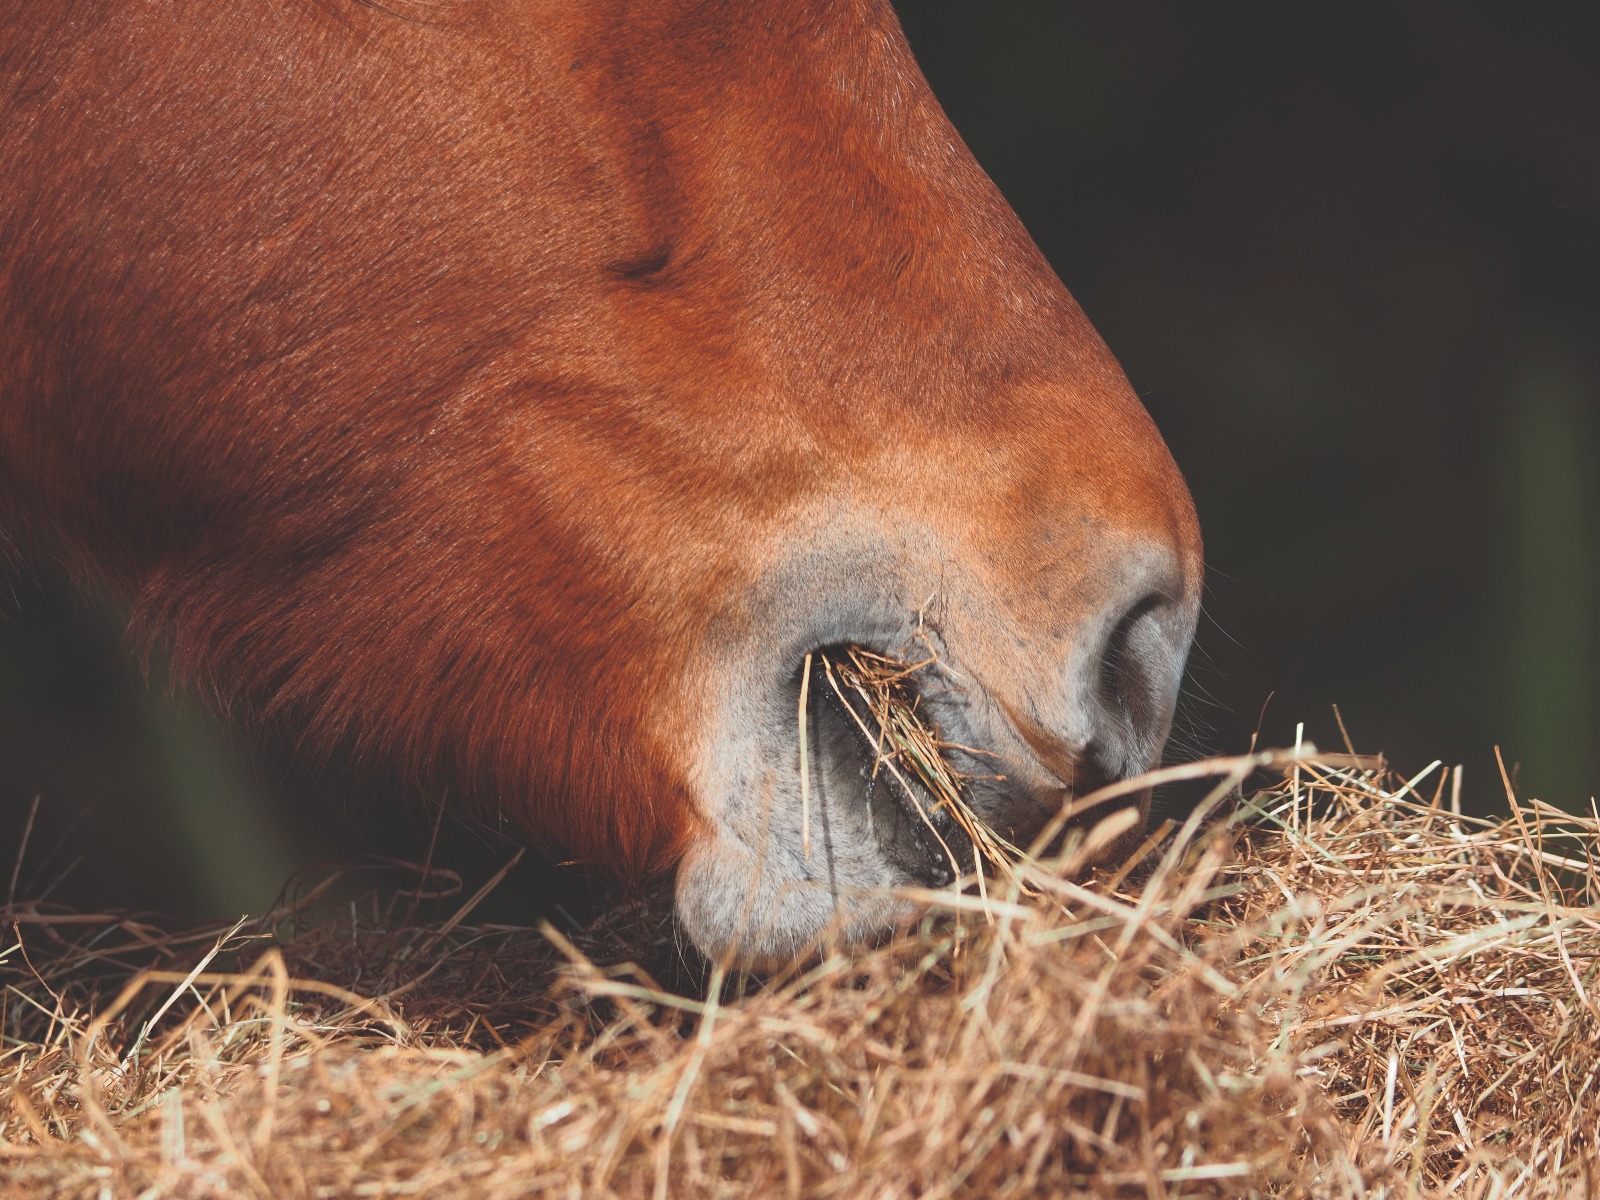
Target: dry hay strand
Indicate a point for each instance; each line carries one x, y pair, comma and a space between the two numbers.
1330, 987
879, 696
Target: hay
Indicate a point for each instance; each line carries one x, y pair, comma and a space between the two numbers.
880, 697
1335, 986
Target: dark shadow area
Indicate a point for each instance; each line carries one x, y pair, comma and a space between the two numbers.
130, 797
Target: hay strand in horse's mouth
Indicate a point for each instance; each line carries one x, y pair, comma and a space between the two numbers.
881, 698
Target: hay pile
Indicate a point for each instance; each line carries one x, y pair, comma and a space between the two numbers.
1335, 986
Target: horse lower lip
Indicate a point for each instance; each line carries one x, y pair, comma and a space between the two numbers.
925, 839
951, 852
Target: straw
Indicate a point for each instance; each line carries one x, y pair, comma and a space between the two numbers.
1335, 986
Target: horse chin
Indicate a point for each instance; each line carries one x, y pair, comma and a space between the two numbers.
759, 913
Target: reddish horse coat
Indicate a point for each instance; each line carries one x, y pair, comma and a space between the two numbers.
513, 393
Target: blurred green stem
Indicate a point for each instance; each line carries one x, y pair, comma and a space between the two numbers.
1552, 584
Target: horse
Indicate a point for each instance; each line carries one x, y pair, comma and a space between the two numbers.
518, 396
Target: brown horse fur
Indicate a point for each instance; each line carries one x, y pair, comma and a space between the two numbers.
512, 393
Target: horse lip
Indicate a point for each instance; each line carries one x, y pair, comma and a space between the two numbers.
943, 851
1047, 751
1062, 777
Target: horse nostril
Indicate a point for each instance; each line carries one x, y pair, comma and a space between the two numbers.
1125, 683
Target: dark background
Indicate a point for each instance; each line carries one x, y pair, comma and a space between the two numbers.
1347, 254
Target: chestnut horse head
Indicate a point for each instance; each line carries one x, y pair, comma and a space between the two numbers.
516, 393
